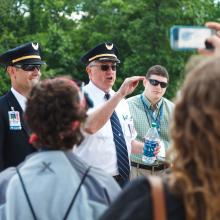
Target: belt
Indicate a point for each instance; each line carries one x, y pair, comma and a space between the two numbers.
158, 167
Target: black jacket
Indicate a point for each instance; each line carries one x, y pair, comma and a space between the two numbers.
135, 203
14, 146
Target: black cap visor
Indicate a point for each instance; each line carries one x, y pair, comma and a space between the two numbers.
30, 61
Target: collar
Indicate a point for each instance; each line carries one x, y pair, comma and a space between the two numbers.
149, 105
20, 98
98, 91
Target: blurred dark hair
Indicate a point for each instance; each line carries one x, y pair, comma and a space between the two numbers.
55, 110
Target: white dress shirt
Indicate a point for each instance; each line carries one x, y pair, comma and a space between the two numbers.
99, 149
20, 98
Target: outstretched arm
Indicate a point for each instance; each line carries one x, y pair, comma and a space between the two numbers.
98, 118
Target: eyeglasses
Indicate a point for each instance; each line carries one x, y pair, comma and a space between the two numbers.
105, 67
28, 67
155, 82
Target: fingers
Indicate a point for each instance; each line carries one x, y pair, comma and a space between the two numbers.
205, 52
129, 85
133, 81
157, 150
134, 84
135, 78
215, 41
213, 25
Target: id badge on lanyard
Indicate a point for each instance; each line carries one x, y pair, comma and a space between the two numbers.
14, 120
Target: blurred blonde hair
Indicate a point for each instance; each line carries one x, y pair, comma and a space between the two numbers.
194, 61
195, 132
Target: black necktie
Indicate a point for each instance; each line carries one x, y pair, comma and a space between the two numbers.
120, 145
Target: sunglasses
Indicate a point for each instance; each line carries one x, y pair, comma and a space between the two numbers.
105, 67
155, 82
28, 67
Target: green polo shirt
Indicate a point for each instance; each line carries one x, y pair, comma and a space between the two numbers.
141, 111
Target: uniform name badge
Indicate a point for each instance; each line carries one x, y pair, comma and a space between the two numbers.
14, 120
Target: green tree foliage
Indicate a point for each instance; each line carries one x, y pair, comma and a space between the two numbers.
141, 31
139, 28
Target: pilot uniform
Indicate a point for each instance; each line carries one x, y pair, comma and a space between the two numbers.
101, 149
14, 133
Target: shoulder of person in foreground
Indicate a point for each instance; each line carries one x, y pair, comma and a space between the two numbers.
132, 203
5, 177
100, 186
135, 202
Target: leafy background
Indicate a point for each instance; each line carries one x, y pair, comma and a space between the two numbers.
66, 29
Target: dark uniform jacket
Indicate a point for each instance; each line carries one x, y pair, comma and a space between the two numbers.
14, 146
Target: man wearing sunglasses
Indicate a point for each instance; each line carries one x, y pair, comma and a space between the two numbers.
108, 148
22, 64
151, 106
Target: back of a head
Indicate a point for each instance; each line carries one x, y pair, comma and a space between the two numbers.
55, 110
195, 134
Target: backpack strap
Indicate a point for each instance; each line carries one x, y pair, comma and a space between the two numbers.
159, 211
71, 203
26, 194
75, 195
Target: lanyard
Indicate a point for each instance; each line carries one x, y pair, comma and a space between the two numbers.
149, 112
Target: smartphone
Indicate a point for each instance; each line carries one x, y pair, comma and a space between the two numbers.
190, 37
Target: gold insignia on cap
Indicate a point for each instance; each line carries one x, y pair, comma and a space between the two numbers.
102, 55
109, 47
26, 58
35, 46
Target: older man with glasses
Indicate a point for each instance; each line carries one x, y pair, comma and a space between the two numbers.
148, 107
108, 148
23, 65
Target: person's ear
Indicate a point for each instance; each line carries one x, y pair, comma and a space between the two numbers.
10, 70
145, 82
88, 69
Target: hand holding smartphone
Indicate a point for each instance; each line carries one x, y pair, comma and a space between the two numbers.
190, 37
